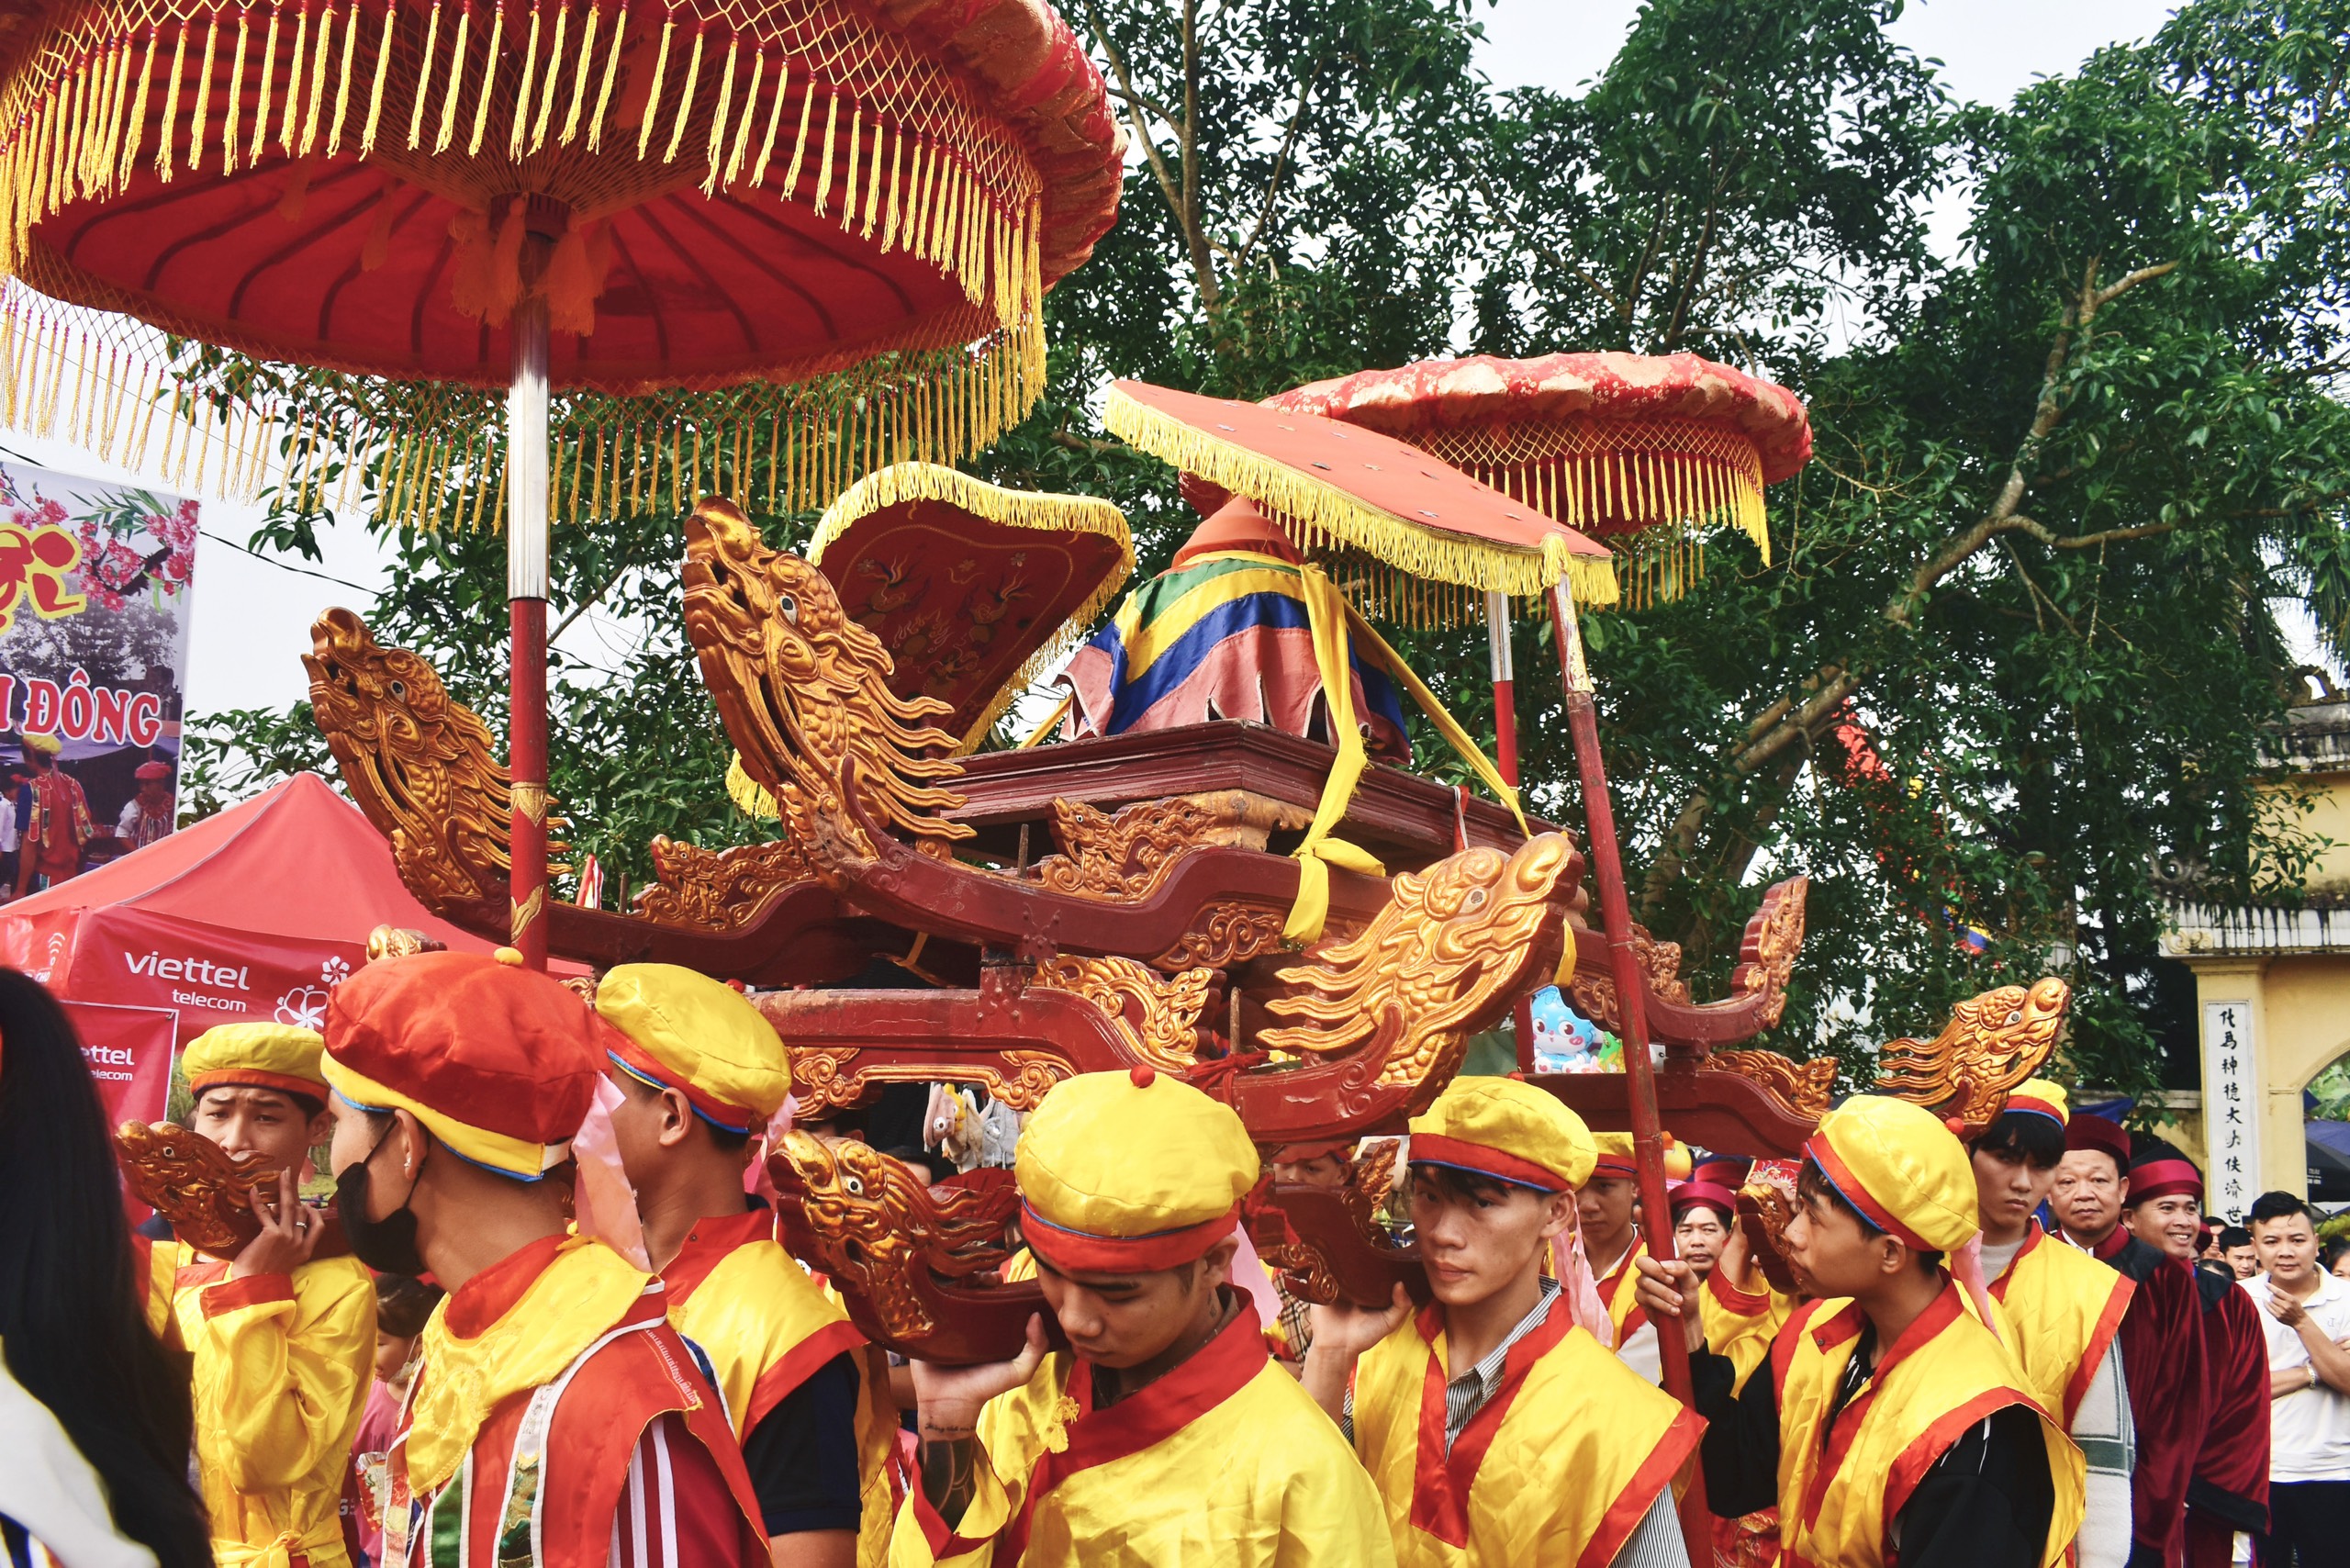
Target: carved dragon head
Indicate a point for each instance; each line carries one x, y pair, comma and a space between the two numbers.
1454, 946
1992, 1043
804, 691
870, 1223
419, 763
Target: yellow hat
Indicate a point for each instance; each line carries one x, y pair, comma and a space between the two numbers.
1902, 1168
47, 745
685, 1031
1614, 1157
1508, 1130
256, 1056
1125, 1172
2041, 1098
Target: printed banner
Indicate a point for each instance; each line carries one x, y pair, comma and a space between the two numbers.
96, 582
204, 974
130, 1053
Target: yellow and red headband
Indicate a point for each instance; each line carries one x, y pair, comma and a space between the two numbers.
2039, 1097
1130, 1172
1904, 1171
675, 1028
1508, 1130
272, 1055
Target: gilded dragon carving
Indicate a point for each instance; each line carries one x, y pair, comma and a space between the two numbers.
202, 1190
869, 1223
803, 690
1767, 954
1225, 934
1805, 1088
1163, 1016
419, 763
824, 1080
1992, 1043
1452, 943
720, 889
1121, 857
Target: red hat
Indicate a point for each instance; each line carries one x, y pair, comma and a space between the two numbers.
2161, 1171
1723, 1169
2100, 1133
497, 1061
1238, 524
1694, 1194
151, 771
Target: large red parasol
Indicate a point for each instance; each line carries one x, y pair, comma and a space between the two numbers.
1640, 450
664, 214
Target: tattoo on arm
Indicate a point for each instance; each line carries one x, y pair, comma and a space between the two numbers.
950, 1472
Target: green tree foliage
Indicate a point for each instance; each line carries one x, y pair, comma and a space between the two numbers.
2019, 635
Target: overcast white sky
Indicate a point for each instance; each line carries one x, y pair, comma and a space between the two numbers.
251, 617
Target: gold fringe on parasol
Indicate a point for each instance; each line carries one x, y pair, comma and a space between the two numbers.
1419, 575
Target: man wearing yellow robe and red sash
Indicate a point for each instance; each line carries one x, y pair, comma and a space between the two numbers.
2059, 1311
701, 1073
1496, 1429
1890, 1424
283, 1343
1605, 1205
555, 1419
1165, 1435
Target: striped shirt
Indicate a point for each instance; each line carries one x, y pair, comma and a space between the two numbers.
675, 1510
1466, 1394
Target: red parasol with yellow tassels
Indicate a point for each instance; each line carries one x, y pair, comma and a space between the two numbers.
752, 247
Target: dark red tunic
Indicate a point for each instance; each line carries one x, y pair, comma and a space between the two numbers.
2230, 1491
2162, 1363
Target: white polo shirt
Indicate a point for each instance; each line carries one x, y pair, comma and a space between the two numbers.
2308, 1429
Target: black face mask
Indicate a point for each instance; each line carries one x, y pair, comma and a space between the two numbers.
385, 1245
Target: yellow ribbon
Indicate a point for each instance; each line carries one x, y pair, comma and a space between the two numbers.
1433, 706
1325, 619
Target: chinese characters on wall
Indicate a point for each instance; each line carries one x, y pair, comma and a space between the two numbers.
2230, 1108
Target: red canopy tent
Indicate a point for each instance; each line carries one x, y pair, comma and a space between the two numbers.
255, 914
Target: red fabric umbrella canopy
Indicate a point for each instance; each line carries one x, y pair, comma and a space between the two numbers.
705, 194
1616, 444
254, 913
1332, 485
732, 188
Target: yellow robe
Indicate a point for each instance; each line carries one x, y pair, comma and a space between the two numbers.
1740, 1324
1838, 1498
2058, 1311
1557, 1468
282, 1368
767, 1327
1225, 1461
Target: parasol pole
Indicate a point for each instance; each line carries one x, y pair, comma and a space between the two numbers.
1505, 759
526, 591
1631, 1004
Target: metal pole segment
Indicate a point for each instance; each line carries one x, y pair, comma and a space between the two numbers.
526, 589
1633, 1020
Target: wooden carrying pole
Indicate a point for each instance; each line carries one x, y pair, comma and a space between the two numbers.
1631, 1004
526, 592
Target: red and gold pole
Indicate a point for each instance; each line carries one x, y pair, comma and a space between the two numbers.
1631, 991
1505, 759
526, 591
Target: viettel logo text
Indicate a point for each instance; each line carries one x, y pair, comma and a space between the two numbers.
201, 972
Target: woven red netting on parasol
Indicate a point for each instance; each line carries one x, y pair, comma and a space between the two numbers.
725, 197
1640, 451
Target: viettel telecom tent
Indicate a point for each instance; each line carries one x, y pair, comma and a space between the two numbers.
255, 914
